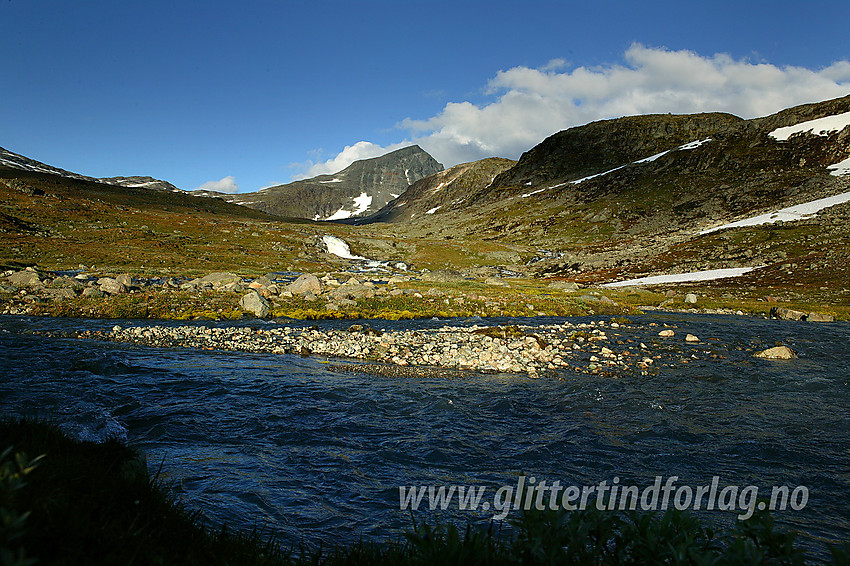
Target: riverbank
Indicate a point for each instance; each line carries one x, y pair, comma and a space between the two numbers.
377, 295
87, 503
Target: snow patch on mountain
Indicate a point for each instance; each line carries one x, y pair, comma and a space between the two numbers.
685, 147
361, 203
797, 212
841, 168
707, 275
819, 127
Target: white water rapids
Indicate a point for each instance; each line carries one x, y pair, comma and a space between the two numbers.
339, 248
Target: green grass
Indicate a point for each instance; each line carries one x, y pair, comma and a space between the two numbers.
87, 503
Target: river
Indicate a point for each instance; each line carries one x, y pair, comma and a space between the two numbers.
291, 445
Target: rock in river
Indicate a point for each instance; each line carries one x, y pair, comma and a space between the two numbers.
787, 314
777, 353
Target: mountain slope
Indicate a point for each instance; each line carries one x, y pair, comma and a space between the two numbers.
360, 189
442, 191
141, 182
600, 146
632, 195
16, 161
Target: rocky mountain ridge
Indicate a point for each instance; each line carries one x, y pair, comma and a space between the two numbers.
141, 182
600, 146
16, 161
360, 189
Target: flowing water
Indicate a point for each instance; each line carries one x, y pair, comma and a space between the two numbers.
288, 444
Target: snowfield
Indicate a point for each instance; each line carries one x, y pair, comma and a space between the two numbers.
361, 204
707, 275
840, 168
819, 127
800, 211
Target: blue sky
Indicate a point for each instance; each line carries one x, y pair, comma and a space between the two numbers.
245, 95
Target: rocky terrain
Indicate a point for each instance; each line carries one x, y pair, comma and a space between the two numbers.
359, 190
596, 347
507, 349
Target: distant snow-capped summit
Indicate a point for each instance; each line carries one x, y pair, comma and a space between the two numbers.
359, 190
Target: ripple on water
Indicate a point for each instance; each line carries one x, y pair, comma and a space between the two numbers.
283, 442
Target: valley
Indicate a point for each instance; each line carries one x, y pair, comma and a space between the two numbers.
593, 205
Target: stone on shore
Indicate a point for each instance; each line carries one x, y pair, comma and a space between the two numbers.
61, 293
111, 286
307, 283
564, 285
92, 292
219, 279
24, 278
496, 281
690, 299
67, 282
254, 303
352, 291
787, 314
777, 353
443, 276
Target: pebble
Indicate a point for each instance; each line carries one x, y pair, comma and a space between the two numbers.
522, 350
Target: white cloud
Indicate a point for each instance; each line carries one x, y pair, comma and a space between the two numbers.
531, 104
225, 185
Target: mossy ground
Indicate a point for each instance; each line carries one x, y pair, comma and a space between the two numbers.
524, 298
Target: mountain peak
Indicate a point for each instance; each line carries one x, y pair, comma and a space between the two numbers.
360, 189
